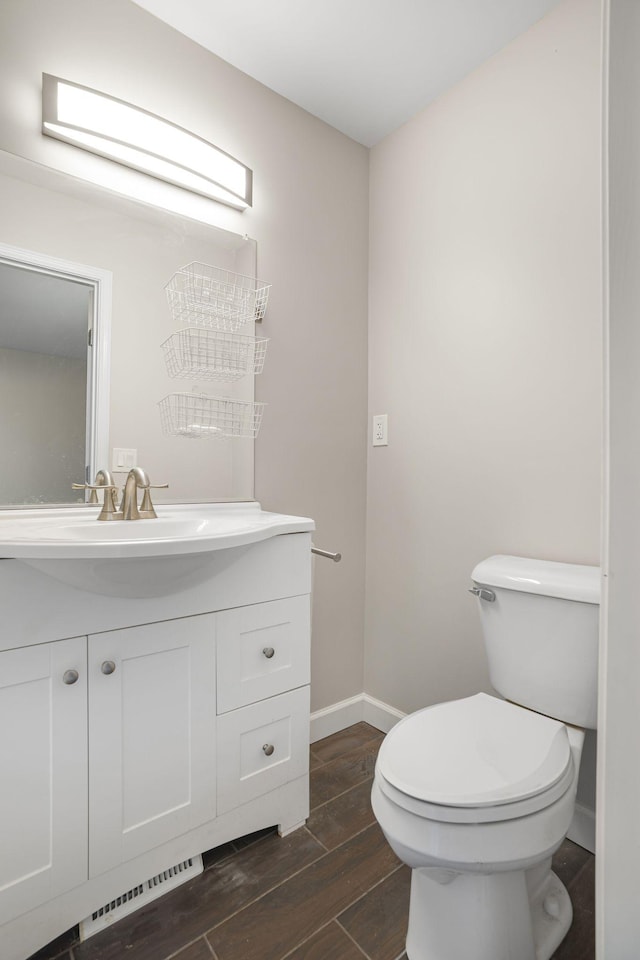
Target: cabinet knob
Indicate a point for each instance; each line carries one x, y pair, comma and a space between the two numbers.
268, 652
70, 676
108, 667
268, 748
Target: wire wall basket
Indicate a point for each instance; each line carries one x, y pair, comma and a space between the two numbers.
199, 417
197, 354
205, 296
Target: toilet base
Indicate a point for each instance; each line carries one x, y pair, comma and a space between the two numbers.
510, 915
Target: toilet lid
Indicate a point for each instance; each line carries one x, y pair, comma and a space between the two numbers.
475, 752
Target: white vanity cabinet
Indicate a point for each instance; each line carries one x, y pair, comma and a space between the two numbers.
163, 727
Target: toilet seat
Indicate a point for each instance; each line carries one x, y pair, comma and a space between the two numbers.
475, 760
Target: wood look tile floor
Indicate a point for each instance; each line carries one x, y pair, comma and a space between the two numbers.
332, 890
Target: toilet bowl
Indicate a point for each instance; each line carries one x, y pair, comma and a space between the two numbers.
476, 794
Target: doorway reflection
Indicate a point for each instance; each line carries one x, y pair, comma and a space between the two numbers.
44, 325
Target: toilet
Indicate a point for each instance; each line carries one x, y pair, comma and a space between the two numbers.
475, 795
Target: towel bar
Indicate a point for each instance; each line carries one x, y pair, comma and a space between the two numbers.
336, 557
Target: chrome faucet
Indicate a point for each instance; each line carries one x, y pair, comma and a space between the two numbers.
137, 479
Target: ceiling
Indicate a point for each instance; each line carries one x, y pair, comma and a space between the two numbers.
363, 66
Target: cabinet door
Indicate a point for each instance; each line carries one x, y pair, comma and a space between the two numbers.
263, 650
152, 736
43, 773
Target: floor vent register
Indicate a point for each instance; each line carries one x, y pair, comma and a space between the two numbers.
140, 895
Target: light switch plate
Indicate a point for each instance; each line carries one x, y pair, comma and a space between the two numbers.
124, 458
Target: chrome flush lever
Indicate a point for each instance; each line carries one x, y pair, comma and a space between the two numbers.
483, 594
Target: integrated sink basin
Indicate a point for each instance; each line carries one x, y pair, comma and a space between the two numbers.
136, 558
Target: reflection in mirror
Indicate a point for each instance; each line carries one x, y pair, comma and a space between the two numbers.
141, 248
44, 384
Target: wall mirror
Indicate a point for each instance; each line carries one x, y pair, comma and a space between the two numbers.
129, 251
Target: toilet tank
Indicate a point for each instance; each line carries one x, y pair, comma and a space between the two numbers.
541, 634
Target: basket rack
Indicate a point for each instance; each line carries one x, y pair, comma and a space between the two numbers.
202, 295
199, 417
198, 354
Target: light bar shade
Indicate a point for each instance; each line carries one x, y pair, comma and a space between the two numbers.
136, 138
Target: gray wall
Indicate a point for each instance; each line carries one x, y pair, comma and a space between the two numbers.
485, 349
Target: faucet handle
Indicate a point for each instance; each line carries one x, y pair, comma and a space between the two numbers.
93, 486
147, 510
87, 486
108, 511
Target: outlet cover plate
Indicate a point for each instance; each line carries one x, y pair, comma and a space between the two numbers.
380, 430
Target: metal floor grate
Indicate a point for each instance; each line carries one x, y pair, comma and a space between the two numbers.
140, 895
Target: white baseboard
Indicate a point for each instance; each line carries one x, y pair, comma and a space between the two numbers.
339, 716
379, 714
583, 828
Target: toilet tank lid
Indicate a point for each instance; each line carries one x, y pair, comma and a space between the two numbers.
568, 581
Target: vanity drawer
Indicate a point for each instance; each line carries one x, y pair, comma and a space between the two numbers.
261, 747
263, 650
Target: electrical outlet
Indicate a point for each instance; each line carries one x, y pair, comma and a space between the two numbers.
380, 430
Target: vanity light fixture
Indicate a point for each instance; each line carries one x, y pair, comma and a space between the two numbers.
136, 138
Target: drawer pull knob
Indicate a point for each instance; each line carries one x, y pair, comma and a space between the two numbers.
108, 667
268, 652
268, 749
70, 676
